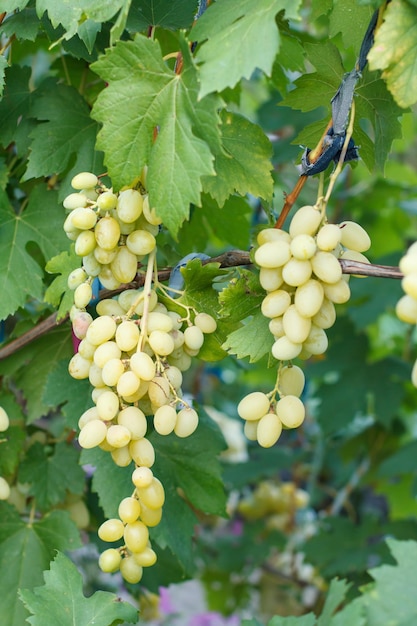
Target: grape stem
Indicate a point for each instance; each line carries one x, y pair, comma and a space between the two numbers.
231, 258
147, 288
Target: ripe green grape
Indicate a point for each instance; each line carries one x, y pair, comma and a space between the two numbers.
273, 254
130, 570
355, 237
291, 411
134, 420
129, 205
193, 337
136, 536
296, 272
127, 335
205, 322
296, 326
152, 496
4, 420
159, 391
150, 517
76, 277
92, 433
118, 436
84, 180
82, 295
85, 243
270, 279
275, 303
84, 219
406, 309
78, 367
291, 381
159, 321
107, 201
106, 351
140, 242
253, 406
146, 558
305, 221
285, 350
124, 265
143, 365
4, 489
101, 329
164, 419
326, 267
112, 371
269, 430
161, 342
109, 560
128, 384
308, 298
108, 405
142, 452
186, 422
129, 510
328, 237
107, 233
111, 530
303, 247
142, 477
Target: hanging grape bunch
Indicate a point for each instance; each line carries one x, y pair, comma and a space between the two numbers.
301, 273
133, 353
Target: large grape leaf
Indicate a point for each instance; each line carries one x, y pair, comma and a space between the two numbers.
74, 396
244, 165
71, 14
391, 599
252, 340
67, 132
395, 51
25, 551
143, 95
248, 39
20, 275
16, 107
23, 25
61, 600
51, 476
3, 65
165, 13
351, 20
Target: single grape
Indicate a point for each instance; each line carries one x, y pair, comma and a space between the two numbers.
355, 237
83, 295
140, 242
186, 423
143, 365
121, 456
193, 337
107, 201
92, 434
339, 292
152, 496
291, 380
129, 205
328, 237
136, 536
129, 510
316, 342
291, 411
104, 257
150, 214
76, 278
161, 342
88, 415
285, 350
134, 420
326, 316
253, 406
101, 329
107, 233
109, 560
270, 279
75, 200
326, 267
303, 247
106, 351
275, 303
108, 405
91, 265
174, 376
124, 266
84, 219
409, 284
159, 321
4, 489
85, 243
150, 517
205, 322
78, 367
128, 384
406, 309
273, 254
112, 371
297, 272
276, 326
308, 298
250, 429
109, 307
165, 419
118, 436
84, 180
130, 570
146, 558
142, 477
269, 430
272, 234
305, 221
296, 326
80, 323
142, 452
4, 420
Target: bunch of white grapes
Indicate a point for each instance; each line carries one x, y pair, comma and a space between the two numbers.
133, 353
4, 425
301, 273
406, 308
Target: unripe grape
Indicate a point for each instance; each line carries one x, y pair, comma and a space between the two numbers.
193, 337
296, 326
291, 411
316, 342
142, 452
150, 517
205, 322
276, 327
118, 436
136, 536
143, 366
161, 342
150, 214
250, 430
88, 415
129, 510
142, 477
76, 278
409, 284
270, 279
78, 367
328, 237
326, 267
272, 234
128, 384
253, 406
101, 329
107, 406
146, 558
309, 297
165, 419
269, 430
84, 219
187, 422
129, 205
80, 323
107, 201
406, 309
130, 570
305, 221
152, 496
285, 350
4, 420
107, 233
124, 266
104, 257
75, 200
303, 247
297, 272
275, 303
92, 434
291, 380
85, 243
83, 295
4, 489
109, 560
354, 236
84, 180
273, 254
134, 420
121, 456
339, 292
326, 316
111, 530
141, 242
91, 265
109, 307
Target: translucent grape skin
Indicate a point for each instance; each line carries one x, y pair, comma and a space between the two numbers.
253, 406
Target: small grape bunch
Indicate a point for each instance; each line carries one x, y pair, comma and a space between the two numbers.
406, 308
4, 425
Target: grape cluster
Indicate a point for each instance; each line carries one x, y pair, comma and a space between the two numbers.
133, 354
406, 308
4, 425
301, 273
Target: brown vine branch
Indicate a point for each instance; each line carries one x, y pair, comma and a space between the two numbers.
231, 258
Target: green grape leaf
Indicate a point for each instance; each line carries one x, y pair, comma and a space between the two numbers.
24, 25
335, 596
351, 20
395, 52
11, 5
74, 396
246, 22
61, 600
68, 132
391, 598
58, 293
144, 94
25, 551
403, 461
301, 620
11, 448
244, 165
242, 297
51, 476
20, 275
16, 106
252, 340
166, 14
3, 65
71, 14
43, 354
